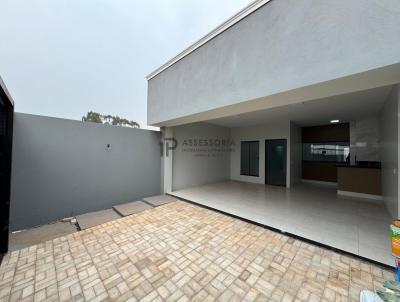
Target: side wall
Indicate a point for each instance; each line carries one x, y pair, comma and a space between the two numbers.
63, 168
390, 151
260, 133
195, 165
365, 140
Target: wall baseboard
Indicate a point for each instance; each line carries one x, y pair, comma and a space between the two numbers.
370, 197
319, 182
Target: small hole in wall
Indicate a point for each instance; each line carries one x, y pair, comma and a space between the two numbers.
108, 146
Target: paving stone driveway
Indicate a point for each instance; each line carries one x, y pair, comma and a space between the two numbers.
181, 252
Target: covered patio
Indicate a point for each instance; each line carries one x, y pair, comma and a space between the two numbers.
310, 211
324, 170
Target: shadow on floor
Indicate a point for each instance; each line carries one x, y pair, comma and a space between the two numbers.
22, 239
25, 238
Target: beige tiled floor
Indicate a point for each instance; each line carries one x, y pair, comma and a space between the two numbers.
310, 211
181, 252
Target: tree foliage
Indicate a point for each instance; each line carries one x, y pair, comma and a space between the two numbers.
108, 119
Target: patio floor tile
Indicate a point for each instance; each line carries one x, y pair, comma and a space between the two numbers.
159, 200
182, 252
130, 208
310, 211
92, 219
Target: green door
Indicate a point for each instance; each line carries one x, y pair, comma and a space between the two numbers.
275, 162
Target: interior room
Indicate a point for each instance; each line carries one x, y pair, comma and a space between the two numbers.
324, 170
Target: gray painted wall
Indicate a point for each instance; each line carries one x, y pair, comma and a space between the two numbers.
193, 168
286, 44
63, 167
389, 119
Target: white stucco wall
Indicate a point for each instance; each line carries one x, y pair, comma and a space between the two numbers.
166, 160
192, 167
284, 45
389, 123
365, 139
260, 133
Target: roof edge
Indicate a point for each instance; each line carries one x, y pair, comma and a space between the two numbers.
253, 6
7, 93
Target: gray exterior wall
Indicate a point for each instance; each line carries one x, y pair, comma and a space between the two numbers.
286, 44
62, 168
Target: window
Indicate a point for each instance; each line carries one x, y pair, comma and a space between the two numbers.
333, 152
249, 158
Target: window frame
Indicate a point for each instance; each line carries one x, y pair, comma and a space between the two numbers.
337, 143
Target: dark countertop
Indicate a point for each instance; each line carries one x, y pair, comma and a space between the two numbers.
361, 165
357, 166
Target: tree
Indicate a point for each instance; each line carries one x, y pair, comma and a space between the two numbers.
93, 117
108, 119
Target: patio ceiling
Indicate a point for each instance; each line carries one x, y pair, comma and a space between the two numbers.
345, 107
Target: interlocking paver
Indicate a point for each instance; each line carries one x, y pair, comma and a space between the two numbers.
182, 252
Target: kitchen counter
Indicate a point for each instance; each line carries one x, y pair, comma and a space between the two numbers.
359, 181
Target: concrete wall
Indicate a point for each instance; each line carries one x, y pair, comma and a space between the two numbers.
166, 160
260, 133
389, 123
63, 167
365, 140
194, 164
284, 45
295, 154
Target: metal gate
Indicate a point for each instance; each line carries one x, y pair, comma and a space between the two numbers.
6, 123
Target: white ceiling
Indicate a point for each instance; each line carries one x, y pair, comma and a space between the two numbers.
345, 107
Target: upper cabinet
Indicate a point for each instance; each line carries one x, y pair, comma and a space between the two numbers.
326, 133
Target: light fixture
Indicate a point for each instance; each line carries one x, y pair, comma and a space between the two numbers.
334, 121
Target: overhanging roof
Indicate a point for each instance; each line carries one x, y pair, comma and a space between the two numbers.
221, 28
374, 78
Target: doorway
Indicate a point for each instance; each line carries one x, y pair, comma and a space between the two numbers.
275, 162
6, 123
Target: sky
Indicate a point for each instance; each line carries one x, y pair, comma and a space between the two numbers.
63, 58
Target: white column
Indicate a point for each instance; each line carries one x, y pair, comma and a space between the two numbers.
166, 160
